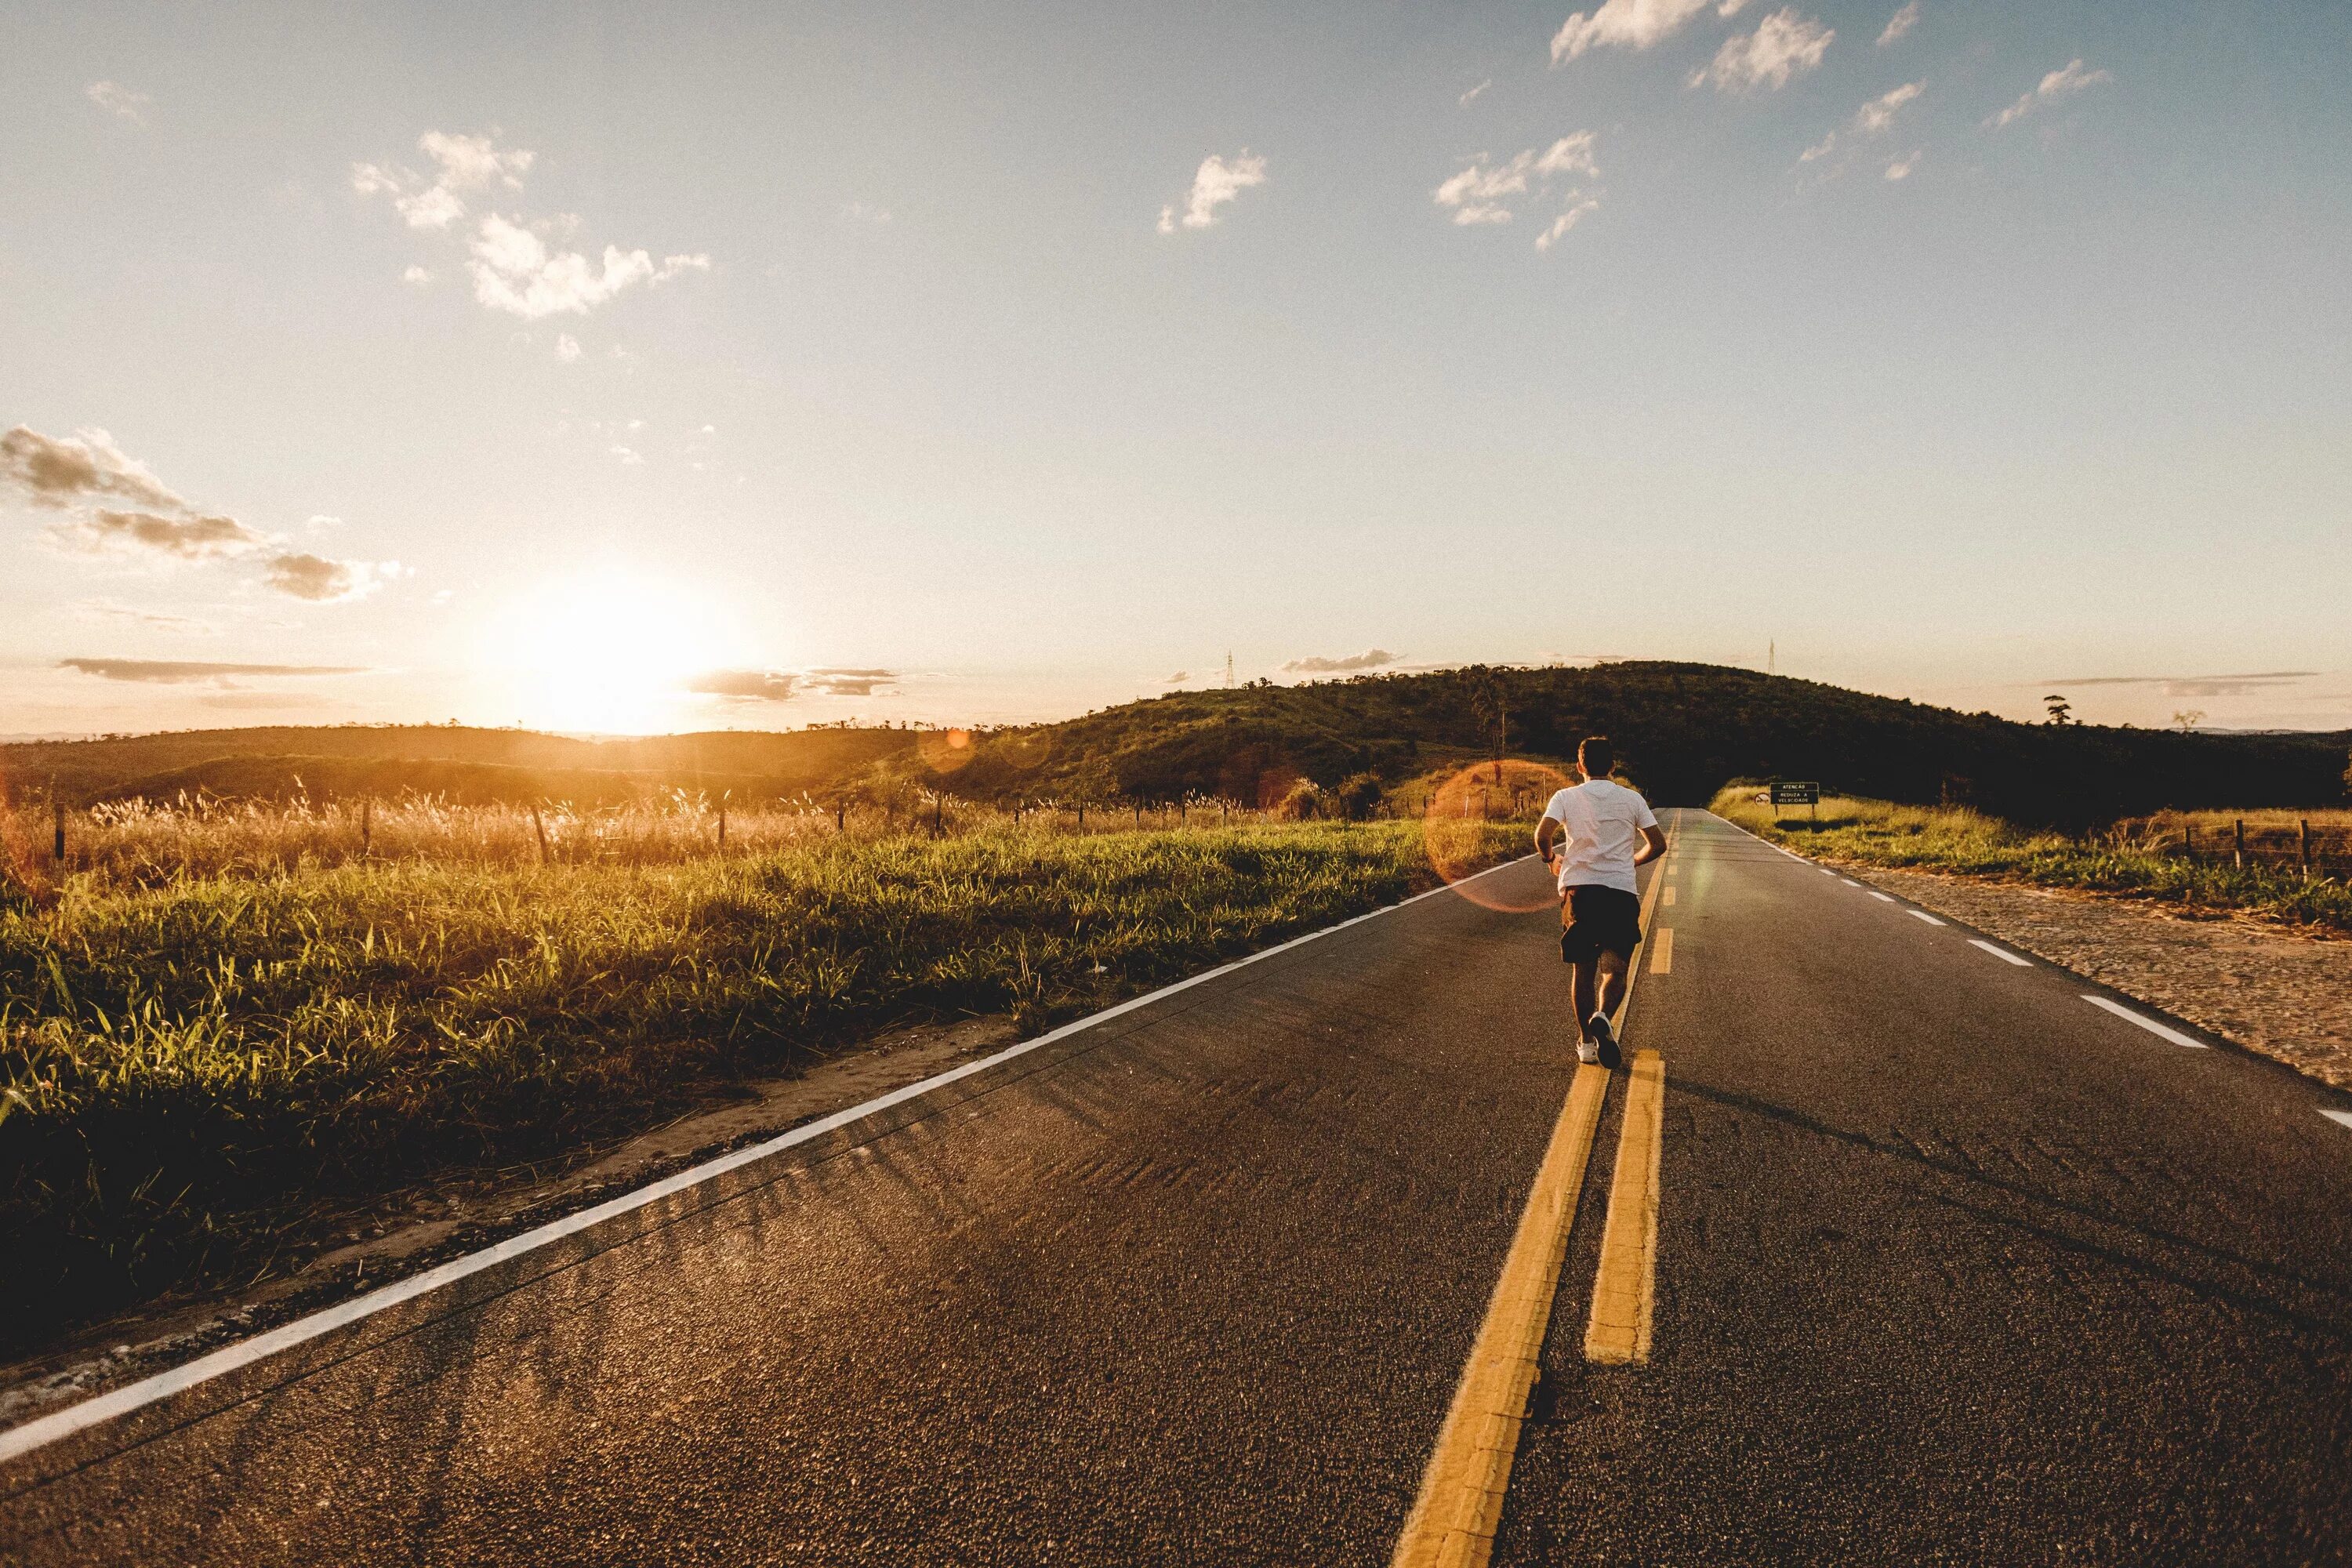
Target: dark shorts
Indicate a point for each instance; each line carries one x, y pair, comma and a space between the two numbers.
1595, 921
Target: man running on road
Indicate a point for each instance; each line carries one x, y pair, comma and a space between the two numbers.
1609, 830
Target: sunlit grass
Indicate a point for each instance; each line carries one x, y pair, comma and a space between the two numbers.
194, 1059
2144, 859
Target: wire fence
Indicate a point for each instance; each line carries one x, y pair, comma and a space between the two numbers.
140, 843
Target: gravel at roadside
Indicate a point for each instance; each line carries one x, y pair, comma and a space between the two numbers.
2269, 989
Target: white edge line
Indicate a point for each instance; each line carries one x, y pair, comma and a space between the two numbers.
1923, 915
19, 1441
2343, 1116
2002, 952
2150, 1025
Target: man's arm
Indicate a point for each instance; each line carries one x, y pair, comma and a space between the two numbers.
1548, 832
1654, 844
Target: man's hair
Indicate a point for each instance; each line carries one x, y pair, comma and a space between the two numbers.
1596, 756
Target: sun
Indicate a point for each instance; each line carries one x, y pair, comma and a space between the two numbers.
608, 652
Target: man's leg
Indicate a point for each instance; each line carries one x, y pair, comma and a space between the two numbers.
1583, 970
1612, 966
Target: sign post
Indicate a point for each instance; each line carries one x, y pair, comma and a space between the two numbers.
1797, 792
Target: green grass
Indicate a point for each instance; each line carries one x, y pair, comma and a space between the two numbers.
2125, 864
191, 1075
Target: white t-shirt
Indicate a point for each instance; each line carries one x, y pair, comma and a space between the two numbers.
1604, 823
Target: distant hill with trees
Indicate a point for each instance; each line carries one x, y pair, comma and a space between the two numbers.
1683, 730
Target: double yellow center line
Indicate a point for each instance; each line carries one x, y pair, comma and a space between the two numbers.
1460, 1504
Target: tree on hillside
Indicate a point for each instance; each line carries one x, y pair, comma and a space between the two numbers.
2061, 711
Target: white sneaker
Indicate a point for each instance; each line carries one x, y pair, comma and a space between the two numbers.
1588, 1053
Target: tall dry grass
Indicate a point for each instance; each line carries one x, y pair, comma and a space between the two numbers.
226, 1023
2142, 859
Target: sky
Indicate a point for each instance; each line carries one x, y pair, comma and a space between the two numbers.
610, 368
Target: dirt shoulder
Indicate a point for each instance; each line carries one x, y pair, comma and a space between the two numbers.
2273, 990
413, 1230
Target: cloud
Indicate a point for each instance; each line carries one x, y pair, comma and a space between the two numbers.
1478, 193
514, 271
1482, 192
2065, 82
1879, 112
128, 103
419, 276
512, 267
865, 212
630, 458
465, 163
1629, 25
849, 682
1178, 678
744, 685
64, 471
189, 538
1900, 168
1784, 45
179, 673
473, 163
1869, 120
107, 609
76, 474
1566, 221
1466, 98
1900, 23
433, 208
2192, 685
1215, 183
321, 581
567, 347
1371, 659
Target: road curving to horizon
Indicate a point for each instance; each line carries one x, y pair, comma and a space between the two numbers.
1954, 1257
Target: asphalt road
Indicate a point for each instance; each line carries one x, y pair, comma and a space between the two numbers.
1951, 1266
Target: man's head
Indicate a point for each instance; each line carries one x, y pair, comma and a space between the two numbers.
1595, 757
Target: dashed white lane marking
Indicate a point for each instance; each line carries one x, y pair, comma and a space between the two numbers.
1849, 881
2150, 1025
2003, 953
17, 1441
1826, 871
2343, 1116
1923, 915
1888, 898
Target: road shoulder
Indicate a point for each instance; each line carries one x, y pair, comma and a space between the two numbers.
2278, 992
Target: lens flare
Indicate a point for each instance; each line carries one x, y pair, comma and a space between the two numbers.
944, 751
1453, 827
1026, 750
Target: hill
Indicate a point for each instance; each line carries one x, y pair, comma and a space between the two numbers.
464, 764
1683, 730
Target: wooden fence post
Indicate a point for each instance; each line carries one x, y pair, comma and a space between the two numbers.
840, 814
57, 845
2241, 851
367, 827
2189, 841
539, 827
935, 815
722, 826
2303, 823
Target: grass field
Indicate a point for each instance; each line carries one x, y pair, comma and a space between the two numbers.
2143, 858
208, 1047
